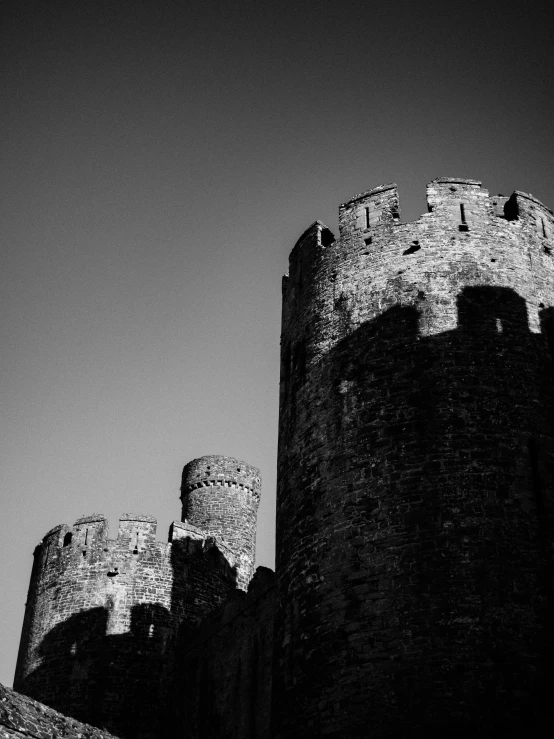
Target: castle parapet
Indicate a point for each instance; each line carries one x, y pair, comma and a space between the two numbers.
304, 257
379, 206
139, 529
102, 609
89, 529
528, 209
461, 201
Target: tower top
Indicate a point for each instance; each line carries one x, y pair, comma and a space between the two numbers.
215, 469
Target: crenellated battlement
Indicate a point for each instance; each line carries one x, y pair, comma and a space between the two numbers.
379, 206
460, 201
97, 603
305, 255
370, 226
219, 470
316, 235
103, 608
467, 237
136, 535
91, 530
210, 481
415, 469
221, 495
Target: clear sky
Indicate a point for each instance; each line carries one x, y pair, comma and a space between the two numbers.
159, 159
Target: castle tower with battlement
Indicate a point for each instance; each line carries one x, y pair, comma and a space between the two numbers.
416, 470
221, 495
415, 511
104, 616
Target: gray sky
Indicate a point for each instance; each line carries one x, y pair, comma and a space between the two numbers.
159, 160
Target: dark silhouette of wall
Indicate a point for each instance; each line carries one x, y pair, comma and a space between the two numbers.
224, 681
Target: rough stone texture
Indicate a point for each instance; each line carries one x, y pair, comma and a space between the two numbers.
23, 718
221, 496
225, 679
415, 490
103, 616
414, 513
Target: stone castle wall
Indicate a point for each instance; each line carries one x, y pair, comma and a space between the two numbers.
415, 508
224, 684
104, 616
415, 468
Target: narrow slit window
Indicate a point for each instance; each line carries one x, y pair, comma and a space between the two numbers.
463, 225
367, 217
543, 227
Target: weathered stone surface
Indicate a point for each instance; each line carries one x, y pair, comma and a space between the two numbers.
221, 496
415, 470
22, 717
414, 513
103, 615
223, 688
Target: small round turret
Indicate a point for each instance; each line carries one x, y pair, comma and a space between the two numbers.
221, 495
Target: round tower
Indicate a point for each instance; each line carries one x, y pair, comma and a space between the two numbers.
221, 495
415, 469
104, 616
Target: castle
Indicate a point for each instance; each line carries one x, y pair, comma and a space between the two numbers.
413, 592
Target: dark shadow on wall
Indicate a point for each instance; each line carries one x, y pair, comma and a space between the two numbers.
108, 680
436, 496
223, 688
437, 616
193, 696
70, 674
122, 682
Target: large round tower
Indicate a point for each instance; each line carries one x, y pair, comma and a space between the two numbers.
415, 469
221, 495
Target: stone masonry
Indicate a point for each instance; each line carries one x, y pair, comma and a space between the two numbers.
104, 615
413, 593
230, 508
415, 470
23, 718
225, 680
